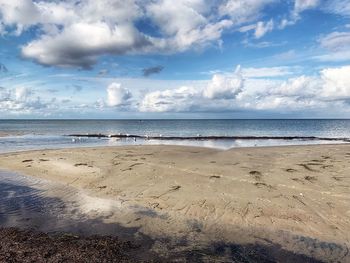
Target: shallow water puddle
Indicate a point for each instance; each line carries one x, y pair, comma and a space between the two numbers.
28, 202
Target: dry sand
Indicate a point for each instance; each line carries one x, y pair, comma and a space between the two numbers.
296, 196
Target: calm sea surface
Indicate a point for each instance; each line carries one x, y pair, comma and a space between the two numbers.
41, 134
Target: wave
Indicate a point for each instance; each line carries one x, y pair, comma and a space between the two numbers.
210, 137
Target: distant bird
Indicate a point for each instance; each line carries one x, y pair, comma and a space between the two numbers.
73, 140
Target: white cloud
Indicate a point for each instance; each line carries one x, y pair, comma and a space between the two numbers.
286, 22
75, 33
21, 13
181, 99
20, 100
267, 72
247, 28
231, 92
340, 7
302, 5
68, 49
223, 86
336, 41
262, 28
117, 95
304, 86
22, 94
337, 45
334, 56
248, 89
299, 7
336, 82
243, 11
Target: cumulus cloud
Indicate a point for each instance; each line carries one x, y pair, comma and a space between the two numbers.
117, 95
152, 70
304, 86
21, 100
336, 82
176, 100
196, 26
22, 94
224, 87
73, 33
220, 87
234, 92
67, 48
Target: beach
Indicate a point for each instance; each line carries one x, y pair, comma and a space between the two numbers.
295, 198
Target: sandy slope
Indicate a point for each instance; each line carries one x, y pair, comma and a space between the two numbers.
281, 194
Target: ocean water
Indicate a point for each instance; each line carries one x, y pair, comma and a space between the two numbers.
19, 135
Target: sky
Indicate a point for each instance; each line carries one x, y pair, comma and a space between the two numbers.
127, 59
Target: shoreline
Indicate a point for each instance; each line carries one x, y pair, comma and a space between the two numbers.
77, 147
302, 190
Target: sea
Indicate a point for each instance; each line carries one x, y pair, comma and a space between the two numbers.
22, 135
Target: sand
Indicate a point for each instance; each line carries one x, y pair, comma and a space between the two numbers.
296, 197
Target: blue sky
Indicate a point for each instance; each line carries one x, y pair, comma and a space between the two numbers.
175, 59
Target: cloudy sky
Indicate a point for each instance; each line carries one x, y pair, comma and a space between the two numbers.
175, 59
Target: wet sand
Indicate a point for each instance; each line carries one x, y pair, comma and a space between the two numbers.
294, 198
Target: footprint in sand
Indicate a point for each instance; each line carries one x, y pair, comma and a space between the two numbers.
80, 164
298, 180
172, 189
337, 178
260, 184
311, 179
307, 167
257, 175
